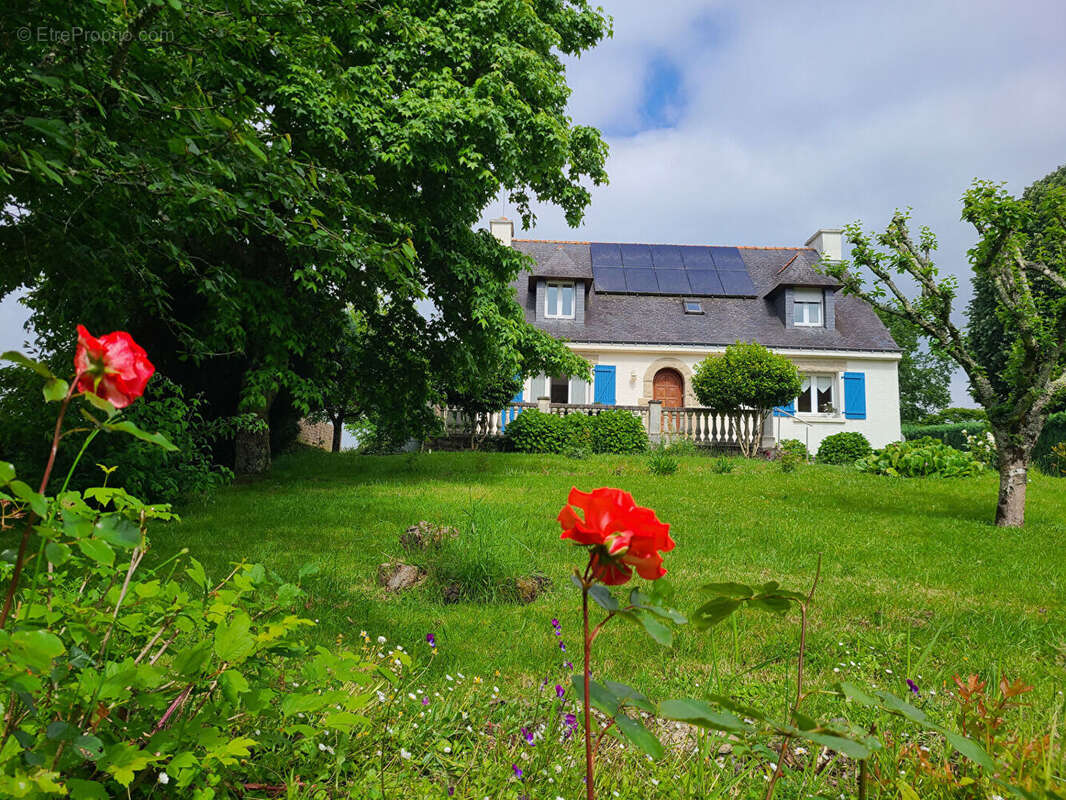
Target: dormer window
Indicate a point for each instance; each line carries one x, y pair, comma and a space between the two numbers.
559, 300
693, 307
808, 308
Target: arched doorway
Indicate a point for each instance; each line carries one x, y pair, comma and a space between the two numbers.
668, 387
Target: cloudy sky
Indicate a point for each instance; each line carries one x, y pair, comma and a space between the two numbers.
759, 122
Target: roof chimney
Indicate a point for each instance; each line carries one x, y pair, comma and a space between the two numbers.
829, 242
503, 229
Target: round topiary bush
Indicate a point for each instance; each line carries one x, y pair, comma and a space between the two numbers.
843, 448
794, 446
618, 431
533, 431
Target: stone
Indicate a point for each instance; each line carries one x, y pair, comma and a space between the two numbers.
425, 535
399, 577
529, 587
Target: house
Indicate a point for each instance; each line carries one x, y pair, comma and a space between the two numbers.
645, 315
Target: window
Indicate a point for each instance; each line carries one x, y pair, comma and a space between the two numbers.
807, 308
817, 395
693, 307
559, 301
560, 390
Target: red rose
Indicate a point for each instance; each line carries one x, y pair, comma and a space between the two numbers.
623, 536
113, 367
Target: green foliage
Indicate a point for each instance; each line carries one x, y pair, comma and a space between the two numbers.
577, 433
746, 377
1054, 433
952, 433
949, 416
845, 448
618, 431
723, 465
229, 210
1057, 460
921, 458
924, 372
533, 431
661, 461
794, 446
789, 460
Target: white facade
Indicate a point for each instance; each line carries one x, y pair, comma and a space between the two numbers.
635, 367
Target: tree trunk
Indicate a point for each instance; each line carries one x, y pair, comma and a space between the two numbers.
253, 447
338, 429
1013, 475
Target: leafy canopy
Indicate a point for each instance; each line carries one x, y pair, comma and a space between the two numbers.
747, 375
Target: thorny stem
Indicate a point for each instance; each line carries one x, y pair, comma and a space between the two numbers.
799, 681
32, 519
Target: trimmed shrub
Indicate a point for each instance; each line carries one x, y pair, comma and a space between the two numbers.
577, 432
1054, 433
534, 431
846, 448
921, 458
617, 431
953, 434
949, 416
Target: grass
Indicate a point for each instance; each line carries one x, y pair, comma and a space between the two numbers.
916, 582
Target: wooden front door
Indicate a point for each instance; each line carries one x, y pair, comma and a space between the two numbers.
668, 387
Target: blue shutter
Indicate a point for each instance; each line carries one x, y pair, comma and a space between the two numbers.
790, 408
855, 395
508, 414
603, 389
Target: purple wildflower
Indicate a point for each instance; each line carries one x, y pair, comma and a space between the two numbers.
559, 691
913, 687
516, 770
425, 701
451, 791
568, 665
527, 734
571, 725
555, 624
431, 639
562, 646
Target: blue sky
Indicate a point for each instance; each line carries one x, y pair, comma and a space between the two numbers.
759, 122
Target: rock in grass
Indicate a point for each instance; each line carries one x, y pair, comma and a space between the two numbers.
425, 535
399, 577
529, 587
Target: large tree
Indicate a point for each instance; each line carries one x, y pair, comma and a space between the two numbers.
1020, 256
225, 180
924, 372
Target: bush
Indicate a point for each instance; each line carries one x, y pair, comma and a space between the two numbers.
682, 447
845, 448
953, 434
661, 461
534, 431
788, 460
577, 434
921, 458
949, 416
1054, 433
793, 446
723, 465
618, 432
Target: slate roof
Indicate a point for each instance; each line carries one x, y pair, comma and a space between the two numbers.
657, 319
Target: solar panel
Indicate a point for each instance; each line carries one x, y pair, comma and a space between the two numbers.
672, 281
737, 283
636, 255
704, 281
728, 258
605, 254
666, 256
641, 280
609, 279
696, 257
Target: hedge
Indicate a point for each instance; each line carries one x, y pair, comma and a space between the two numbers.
612, 431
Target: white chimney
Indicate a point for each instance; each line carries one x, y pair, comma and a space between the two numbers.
829, 242
503, 229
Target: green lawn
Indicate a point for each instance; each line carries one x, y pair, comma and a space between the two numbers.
916, 582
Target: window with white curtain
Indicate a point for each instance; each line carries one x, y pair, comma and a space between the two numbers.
807, 308
559, 300
817, 395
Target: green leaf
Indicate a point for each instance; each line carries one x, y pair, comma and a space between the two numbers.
196, 572
728, 589
655, 629
98, 551
233, 684
629, 696
60, 730
100, 403
306, 570
7, 472
639, 735
35, 649
906, 791
710, 614
57, 553
34, 500
600, 696
696, 712
55, 390
124, 761
88, 747
890, 702
970, 749
853, 692
24, 361
117, 530
125, 426
191, 661
345, 721
773, 603
639, 600
848, 747
233, 642
86, 790
604, 599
